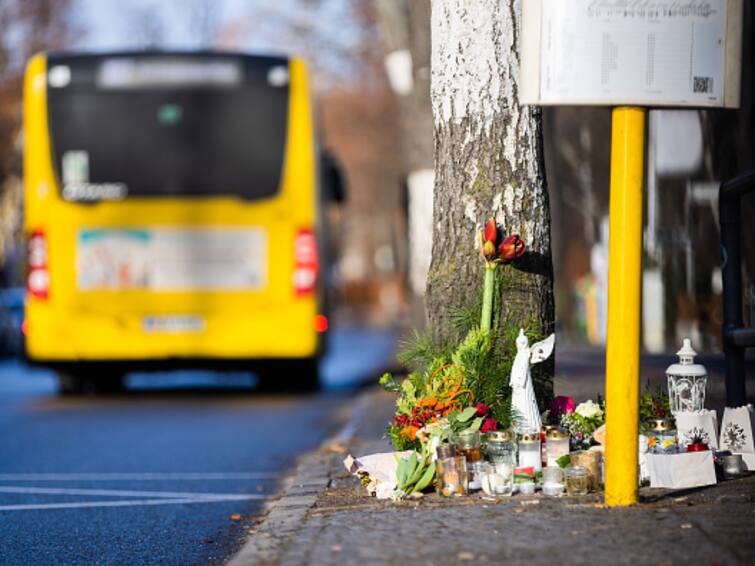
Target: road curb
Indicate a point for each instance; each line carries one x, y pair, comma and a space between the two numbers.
299, 492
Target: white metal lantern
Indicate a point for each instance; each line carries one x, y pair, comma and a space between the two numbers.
686, 381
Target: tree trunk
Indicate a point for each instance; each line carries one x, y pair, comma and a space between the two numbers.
488, 161
405, 29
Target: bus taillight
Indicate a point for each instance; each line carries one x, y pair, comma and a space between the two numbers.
306, 264
38, 277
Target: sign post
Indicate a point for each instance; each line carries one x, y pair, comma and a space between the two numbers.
630, 55
624, 305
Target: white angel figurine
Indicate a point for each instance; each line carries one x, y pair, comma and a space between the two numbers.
522, 393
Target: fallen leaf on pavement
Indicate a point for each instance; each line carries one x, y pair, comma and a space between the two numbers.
336, 447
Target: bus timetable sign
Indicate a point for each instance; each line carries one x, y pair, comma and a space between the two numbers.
632, 52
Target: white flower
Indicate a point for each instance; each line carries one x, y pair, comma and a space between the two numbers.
429, 429
589, 409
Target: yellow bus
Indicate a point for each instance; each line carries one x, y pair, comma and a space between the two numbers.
174, 215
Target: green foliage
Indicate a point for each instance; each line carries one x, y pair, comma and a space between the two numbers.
464, 420
415, 473
422, 350
388, 383
564, 461
408, 399
484, 358
654, 404
466, 317
467, 414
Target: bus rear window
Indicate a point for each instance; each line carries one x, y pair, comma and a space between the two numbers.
168, 126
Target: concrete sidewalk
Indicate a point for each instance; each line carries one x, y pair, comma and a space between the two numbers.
323, 518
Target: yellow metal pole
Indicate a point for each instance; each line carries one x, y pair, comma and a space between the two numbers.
624, 302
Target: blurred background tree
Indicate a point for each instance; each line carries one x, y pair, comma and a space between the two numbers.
405, 32
26, 27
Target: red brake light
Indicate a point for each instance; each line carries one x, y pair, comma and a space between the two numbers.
38, 276
321, 323
306, 264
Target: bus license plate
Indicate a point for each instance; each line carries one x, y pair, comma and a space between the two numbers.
173, 323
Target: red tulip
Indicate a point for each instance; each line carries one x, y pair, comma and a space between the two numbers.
511, 248
490, 233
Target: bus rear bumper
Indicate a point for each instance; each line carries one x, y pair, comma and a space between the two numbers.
107, 368
229, 341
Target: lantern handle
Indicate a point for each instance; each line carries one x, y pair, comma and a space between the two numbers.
687, 353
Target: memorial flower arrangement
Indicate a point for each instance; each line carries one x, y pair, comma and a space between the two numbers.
458, 384
583, 422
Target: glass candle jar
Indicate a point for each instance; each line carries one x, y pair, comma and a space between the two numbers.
591, 460
504, 480
543, 443
529, 450
577, 481
502, 447
553, 481
485, 469
556, 445
661, 436
474, 475
468, 444
553, 489
451, 471
497, 479
553, 474
733, 466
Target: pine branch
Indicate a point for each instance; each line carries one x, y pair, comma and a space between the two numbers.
419, 351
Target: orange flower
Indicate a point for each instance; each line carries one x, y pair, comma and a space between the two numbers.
428, 402
410, 432
490, 232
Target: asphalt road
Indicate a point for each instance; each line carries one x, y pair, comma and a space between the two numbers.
172, 472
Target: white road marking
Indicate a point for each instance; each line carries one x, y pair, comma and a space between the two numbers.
201, 476
146, 497
128, 493
122, 503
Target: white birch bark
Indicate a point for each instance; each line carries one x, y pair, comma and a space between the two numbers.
488, 161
